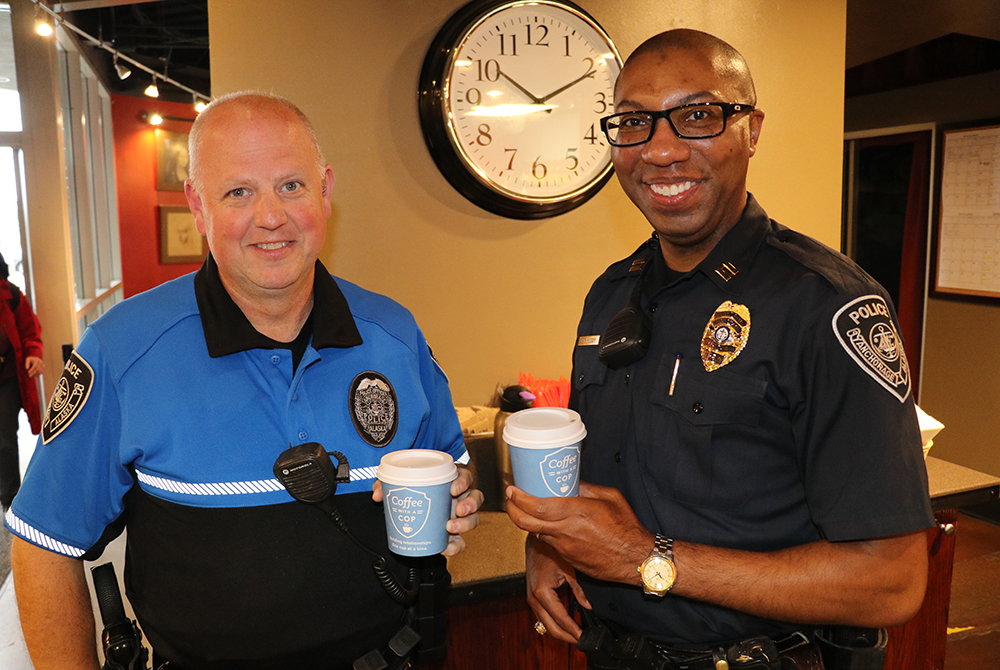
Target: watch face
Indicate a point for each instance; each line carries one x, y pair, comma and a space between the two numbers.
520, 97
658, 574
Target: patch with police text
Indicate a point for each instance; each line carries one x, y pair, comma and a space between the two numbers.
866, 330
72, 391
725, 335
374, 408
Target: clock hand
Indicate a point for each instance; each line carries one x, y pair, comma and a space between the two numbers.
520, 88
589, 75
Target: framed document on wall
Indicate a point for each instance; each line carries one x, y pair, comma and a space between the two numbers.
180, 241
968, 216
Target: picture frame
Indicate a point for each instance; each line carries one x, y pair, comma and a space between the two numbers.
171, 160
180, 241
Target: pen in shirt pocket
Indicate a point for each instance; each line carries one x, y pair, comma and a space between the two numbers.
673, 377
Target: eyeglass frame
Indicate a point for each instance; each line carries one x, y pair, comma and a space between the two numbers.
728, 109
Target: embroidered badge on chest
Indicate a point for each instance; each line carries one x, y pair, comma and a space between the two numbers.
725, 335
71, 393
866, 330
374, 408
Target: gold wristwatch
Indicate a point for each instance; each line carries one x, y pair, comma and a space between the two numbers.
658, 571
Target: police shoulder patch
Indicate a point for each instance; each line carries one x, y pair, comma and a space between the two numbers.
867, 332
69, 397
374, 408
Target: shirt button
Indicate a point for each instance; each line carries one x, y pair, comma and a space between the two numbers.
303, 435
697, 407
628, 376
275, 359
618, 457
295, 396
652, 308
613, 607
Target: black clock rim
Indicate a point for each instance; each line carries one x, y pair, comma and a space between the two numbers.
430, 107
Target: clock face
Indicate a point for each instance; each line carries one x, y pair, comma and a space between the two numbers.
513, 120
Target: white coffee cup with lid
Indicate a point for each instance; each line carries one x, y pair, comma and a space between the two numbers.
545, 450
416, 490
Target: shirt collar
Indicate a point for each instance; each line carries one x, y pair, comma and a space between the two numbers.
727, 261
724, 265
228, 331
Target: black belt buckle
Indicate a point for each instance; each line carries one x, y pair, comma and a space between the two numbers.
757, 653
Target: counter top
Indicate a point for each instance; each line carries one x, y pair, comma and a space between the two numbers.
492, 564
954, 485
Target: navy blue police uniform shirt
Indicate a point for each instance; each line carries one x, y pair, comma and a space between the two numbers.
774, 408
168, 419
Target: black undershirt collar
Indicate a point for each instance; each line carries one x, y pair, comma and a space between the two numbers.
228, 331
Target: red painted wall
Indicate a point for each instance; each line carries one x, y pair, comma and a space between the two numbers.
138, 199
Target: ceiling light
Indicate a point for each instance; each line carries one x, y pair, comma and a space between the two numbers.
42, 25
155, 119
151, 90
122, 70
199, 104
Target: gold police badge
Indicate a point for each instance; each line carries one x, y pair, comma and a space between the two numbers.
725, 335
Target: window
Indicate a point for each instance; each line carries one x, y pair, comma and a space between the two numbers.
90, 184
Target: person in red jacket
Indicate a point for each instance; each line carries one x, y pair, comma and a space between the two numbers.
20, 362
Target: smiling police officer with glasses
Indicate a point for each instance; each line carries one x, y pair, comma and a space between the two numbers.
753, 490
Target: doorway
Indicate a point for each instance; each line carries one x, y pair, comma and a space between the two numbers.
887, 179
14, 248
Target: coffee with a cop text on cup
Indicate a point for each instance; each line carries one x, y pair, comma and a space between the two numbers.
545, 450
416, 495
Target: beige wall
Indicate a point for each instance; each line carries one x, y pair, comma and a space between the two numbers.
496, 296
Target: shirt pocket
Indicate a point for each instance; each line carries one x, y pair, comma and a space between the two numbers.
702, 436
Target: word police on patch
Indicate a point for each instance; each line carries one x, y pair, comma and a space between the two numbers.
866, 330
374, 408
72, 391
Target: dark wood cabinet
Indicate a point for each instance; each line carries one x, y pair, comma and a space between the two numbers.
500, 634
920, 644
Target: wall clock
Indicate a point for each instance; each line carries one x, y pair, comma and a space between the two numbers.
510, 97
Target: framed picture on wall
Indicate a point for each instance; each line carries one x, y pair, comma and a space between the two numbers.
171, 160
180, 241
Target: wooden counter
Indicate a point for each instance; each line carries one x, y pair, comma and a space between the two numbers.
920, 644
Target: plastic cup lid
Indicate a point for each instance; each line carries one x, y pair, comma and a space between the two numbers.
417, 467
544, 427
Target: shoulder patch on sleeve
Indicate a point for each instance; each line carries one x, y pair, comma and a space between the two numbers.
72, 391
867, 332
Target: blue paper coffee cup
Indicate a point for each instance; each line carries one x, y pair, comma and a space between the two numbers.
416, 490
544, 447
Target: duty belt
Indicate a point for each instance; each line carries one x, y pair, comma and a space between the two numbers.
633, 651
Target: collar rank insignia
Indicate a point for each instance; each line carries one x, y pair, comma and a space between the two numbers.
725, 335
374, 408
867, 332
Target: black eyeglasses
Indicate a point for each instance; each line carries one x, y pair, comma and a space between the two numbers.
698, 121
